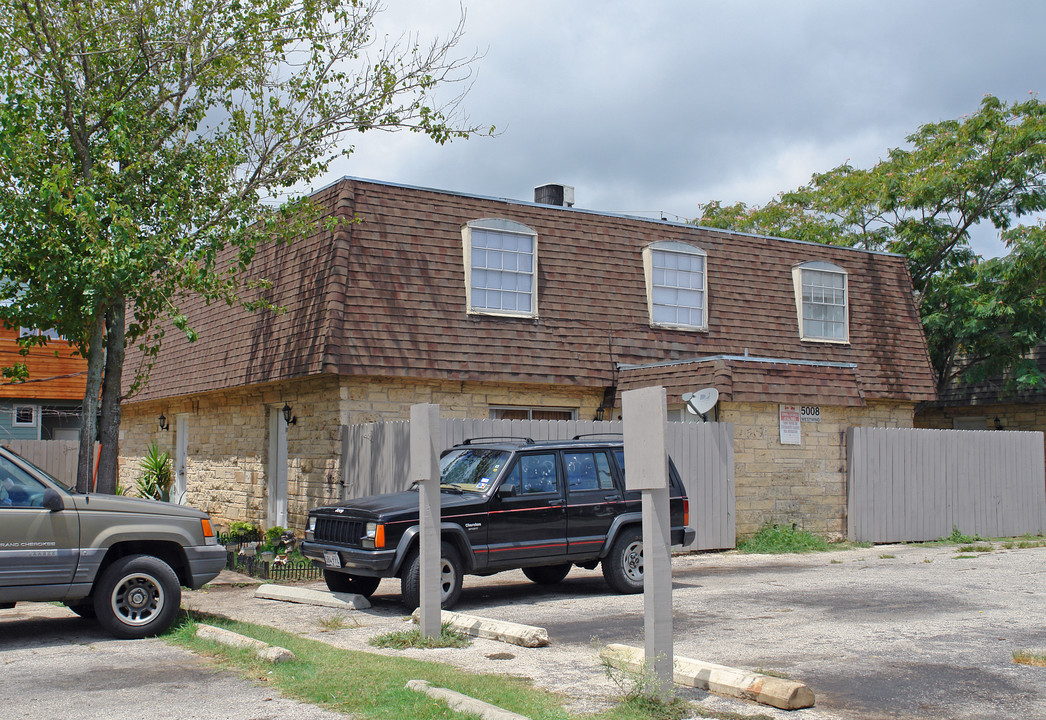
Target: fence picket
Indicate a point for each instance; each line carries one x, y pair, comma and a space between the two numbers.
374, 459
911, 485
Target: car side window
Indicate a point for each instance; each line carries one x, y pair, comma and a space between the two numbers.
588, 471
619, 455
532, 474
18, 488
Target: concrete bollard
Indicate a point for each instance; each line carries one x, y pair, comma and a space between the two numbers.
720, 679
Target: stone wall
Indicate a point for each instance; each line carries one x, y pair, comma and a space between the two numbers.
228, 447
802, 484
1013, 416
228, 444
373, 399
228, 434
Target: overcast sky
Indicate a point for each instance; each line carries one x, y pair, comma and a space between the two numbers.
650, 108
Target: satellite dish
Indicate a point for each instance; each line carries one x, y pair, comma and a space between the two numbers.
700, 402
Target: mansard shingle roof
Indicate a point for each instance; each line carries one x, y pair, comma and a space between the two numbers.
384, 295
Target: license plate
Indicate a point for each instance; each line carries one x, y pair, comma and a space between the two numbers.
331, 559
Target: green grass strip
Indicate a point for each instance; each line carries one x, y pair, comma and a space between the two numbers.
368, 685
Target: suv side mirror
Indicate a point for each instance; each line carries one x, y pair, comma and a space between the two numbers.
52, 500
506, 491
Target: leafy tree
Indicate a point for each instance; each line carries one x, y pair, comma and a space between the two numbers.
981, 317
140, 140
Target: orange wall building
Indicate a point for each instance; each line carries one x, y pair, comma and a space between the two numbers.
47, 405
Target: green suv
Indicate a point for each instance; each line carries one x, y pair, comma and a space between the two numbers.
121, 560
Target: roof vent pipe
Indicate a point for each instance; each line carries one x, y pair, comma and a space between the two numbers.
554, 194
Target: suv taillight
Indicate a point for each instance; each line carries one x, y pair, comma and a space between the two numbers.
686, 512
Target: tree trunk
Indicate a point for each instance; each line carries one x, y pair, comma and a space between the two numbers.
108, 460
89, 416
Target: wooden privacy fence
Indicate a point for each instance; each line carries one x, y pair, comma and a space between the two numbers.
57, 457
376, 457
912, 485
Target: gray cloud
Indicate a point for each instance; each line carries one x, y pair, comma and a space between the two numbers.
664, 106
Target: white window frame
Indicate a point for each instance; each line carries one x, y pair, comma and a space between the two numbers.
797, 282
50, 333
504, 227
677, 248
530, 410
35, 422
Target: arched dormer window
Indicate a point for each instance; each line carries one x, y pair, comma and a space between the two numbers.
821, 302
676, 285
501, 261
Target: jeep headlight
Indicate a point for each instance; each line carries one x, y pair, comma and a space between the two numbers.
310, 529
373, 536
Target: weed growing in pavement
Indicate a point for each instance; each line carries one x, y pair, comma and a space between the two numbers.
1025, 544
337, 622
976, 548
642, 692
887, 556
1029, 657
783, 539
959, 538
403, 639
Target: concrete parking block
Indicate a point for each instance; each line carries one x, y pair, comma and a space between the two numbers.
463, 703
289, 593
510, 632
270, 653
720, 679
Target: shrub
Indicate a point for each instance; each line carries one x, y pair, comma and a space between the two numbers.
154, 482
783, 539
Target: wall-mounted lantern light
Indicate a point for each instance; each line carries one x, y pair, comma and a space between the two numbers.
163, 422
291, 420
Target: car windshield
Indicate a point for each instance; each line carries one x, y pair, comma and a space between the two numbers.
473, 469
41, 471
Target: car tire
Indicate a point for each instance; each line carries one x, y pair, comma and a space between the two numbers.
547, 574
450, 578
83, 608
137, 596
623, 567
346, 583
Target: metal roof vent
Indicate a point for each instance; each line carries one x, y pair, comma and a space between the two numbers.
554, 194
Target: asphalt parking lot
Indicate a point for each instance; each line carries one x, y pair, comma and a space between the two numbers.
886, 632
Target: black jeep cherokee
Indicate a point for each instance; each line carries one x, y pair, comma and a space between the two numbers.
506, 504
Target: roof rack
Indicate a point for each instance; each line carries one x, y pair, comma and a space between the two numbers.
525, 440
606, 434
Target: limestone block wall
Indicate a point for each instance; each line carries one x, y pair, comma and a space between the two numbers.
374, 399
228, 443
228, 434
1012, 416
228, 447
802, 484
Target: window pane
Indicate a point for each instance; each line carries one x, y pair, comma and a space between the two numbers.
503, 266
539, 473
606, 480
678, 288
824, 304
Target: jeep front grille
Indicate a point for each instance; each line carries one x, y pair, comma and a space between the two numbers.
340, 531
